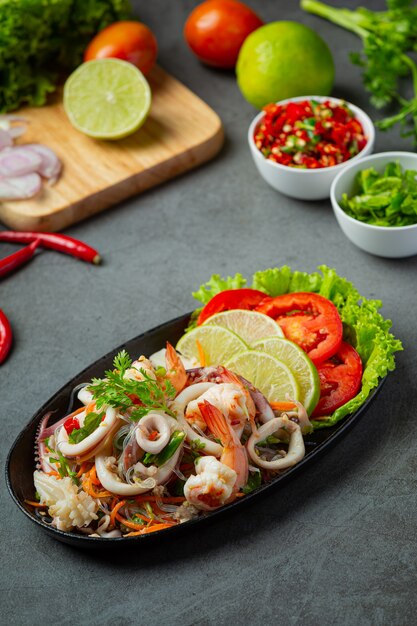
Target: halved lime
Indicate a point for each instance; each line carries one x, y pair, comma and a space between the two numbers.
107, 98
248, 325
299, 363
267, 373
217, 343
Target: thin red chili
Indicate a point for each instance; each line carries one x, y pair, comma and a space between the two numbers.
15, 260
55, 241
6, 337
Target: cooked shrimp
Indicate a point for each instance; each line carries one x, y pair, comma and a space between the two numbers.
212, 486
140, 367
175, 373
230, 399
234, 453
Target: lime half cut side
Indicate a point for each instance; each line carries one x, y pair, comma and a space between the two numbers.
249, 325
299, 363
218, 344
271, 376
107, 98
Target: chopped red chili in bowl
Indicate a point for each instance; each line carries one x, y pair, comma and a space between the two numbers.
309, 134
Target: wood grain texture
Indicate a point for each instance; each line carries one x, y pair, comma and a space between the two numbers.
180, 133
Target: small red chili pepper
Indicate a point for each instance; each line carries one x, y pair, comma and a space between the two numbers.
15, 260
6, 337
71, 424
55, 241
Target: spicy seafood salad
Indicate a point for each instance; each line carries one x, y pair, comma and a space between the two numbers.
171, 436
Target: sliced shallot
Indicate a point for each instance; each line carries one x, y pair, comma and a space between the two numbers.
19, 161
20, 187
50, 166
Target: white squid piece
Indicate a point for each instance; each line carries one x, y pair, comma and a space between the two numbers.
179, 408
296, 449
72, 450
150, 424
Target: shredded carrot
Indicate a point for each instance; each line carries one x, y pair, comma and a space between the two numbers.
201, 354
53, 473
93, 476
153, 435
240, 494
82, 469
86, 485
283, 406
150, 529
130, 524
114, 511
37, 504
165, 499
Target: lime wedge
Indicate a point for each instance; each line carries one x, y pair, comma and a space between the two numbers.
267, 373
249, 325
299, 363
218, 344
107, 98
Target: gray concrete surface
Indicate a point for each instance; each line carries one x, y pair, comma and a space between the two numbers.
337, 545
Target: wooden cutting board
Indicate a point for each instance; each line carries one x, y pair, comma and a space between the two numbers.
180, 133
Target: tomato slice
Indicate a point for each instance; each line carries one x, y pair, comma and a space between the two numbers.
340, 380
232, 299
309, 320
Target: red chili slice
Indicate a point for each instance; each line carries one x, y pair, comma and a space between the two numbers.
309, 320
71, 424
340, 380
232, 299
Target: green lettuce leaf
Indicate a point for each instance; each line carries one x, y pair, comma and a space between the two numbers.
216, 284
363, 326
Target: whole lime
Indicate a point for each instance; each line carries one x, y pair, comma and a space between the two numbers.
282, 60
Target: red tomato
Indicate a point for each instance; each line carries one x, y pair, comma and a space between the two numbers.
340, 380
309, 320
232, 299
130, 41
216, 29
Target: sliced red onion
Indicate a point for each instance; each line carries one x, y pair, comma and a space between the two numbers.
17, 131
20, 187
6, 140
19, 162
50, 164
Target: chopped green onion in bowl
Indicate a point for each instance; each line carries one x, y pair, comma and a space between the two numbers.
384, 199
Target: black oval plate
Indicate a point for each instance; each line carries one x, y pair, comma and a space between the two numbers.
21, 464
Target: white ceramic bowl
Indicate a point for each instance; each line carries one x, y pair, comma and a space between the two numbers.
306, 184
386, 241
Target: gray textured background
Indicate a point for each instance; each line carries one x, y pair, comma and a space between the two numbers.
334, 546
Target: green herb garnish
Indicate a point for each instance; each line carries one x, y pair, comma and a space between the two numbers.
388, 38
140, 396
254, 481
91, 422
63, 468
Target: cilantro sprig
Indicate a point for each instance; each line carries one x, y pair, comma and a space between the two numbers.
139, 396
388, 38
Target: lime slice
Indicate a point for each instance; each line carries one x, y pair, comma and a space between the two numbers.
218, 344
266, 373
299, 363
249, 325
107, 98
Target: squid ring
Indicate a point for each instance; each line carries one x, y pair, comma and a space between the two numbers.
296, 450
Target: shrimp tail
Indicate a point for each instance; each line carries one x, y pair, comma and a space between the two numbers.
216, 422
176, 373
